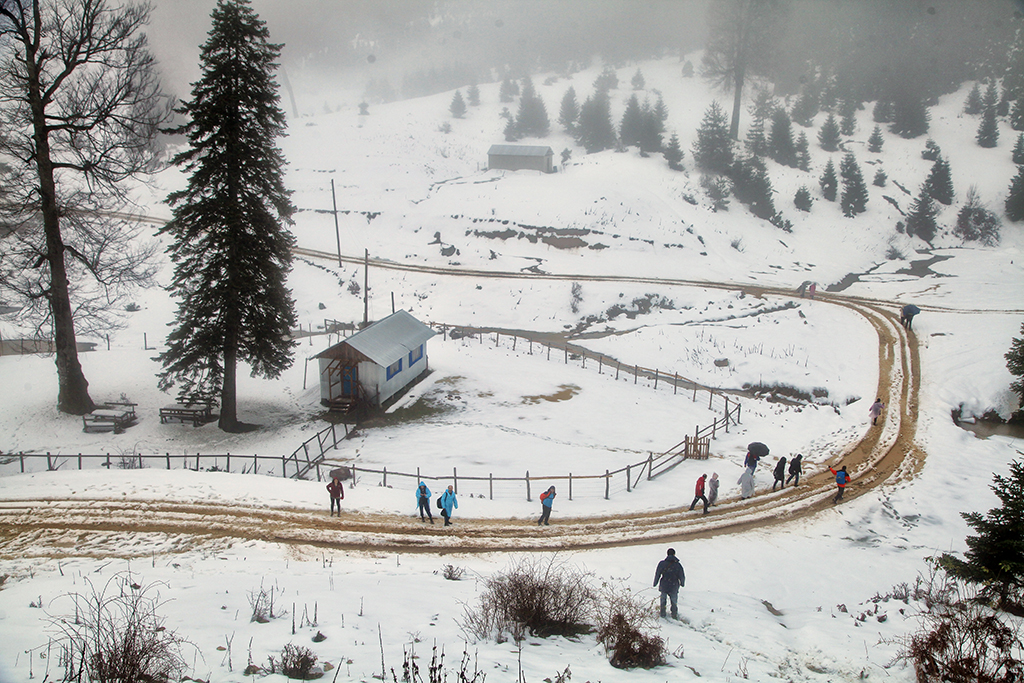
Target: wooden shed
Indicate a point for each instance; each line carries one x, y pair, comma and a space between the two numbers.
520, 157
374, 364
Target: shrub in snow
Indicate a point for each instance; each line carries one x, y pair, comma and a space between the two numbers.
535, 596
875, 141
628, 629
880, 178
116, 635
803, 201
973, 104
977, 222
299, 662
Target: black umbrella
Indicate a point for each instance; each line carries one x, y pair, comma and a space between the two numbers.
911, 309
757, 449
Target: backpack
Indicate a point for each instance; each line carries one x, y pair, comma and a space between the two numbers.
439, 501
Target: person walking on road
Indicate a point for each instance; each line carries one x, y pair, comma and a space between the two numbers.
875, 411
448, 502
698, 493
795, 468
337, 491
423, 502
713, 489
746, 482
669, 578
547, 499
842, 479
780, 473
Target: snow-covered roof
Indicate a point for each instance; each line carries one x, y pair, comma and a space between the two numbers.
519, 151
387, 340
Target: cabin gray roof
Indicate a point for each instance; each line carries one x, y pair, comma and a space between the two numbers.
387, 340
519, 151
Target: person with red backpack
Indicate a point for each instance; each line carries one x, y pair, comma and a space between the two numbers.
842, 479
547, 499
698, 493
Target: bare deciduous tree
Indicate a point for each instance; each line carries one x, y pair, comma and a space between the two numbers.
80, 106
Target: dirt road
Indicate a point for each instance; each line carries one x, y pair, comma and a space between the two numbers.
101, 528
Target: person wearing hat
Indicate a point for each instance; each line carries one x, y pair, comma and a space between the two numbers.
669, 578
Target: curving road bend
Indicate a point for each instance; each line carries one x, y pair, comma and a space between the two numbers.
112, 528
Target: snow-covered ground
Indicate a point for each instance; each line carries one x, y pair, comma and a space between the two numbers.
426, 200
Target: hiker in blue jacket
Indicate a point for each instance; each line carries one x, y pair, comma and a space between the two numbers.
669, 578
842, 479
448, 501
423, 501
547, 499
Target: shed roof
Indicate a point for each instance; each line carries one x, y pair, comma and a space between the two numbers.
387, 340
519, 151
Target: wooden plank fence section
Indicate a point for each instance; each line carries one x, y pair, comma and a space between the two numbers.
309, 456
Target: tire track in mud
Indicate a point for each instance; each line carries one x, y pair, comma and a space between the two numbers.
112, 528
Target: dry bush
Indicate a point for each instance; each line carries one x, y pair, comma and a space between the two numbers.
961, 637
627, 628
298, 662
538, 596
115, 635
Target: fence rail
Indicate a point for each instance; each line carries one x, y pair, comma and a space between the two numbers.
309, 456
306, 458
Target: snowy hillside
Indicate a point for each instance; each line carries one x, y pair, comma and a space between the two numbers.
759, 605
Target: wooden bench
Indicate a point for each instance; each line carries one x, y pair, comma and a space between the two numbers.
115, 415
196, 413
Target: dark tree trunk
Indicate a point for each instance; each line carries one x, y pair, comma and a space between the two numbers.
73, 389
228, 392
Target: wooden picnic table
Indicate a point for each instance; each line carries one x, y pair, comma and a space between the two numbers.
114, 415
196, 413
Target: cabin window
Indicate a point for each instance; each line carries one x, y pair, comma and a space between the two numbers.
415, 355
394, 368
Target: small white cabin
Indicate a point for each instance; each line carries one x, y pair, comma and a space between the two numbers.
374, 364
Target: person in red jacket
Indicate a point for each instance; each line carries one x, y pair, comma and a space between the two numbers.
337, 491
842, 479
698, 493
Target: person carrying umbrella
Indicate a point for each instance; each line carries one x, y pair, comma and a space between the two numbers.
907, 315
755, 451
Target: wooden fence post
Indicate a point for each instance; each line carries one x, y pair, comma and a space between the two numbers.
726, 414
22, 456
49, 464
711, 396
528, 485
353, 475
675, 383
455, 479
694, 392
549, 351
531, 347
227, 466
79, 461
283, 467
566, 354
650, 465
514, 339
628, 480
490, 484
607, 483
618, 366
497, 336
255, 463
656, 373
108, 462
385, 482
584, 360
570, 486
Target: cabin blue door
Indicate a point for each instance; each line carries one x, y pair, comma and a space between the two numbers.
348, 381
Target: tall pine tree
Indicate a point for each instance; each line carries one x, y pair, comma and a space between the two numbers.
458, 105
939, 183
828, 182
532, 118
712, 150
973, 104
1015, 197
569, 114
995, 556
1015, 364
988, 129
876, 140
632, 123
674, 153
854, 199
230, 248
781, 147
828, 136
921, 219
595, 131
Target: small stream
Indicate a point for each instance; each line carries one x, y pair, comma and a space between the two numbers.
921, 268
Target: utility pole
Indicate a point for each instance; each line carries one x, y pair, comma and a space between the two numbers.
337, 233
366, 288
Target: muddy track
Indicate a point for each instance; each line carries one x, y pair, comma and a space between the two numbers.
111, 528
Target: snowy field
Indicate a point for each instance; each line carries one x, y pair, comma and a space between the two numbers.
761, 605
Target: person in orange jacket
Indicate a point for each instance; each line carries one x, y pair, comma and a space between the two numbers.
337, 491
842, 479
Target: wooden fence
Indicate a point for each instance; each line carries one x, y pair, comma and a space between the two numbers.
625, 478
305, 459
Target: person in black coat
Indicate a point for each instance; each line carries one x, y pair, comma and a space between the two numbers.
780, 473
669, 578
795, 468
